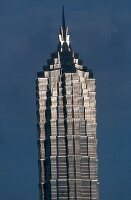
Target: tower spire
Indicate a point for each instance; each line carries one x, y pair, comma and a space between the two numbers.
63, 17
64, 36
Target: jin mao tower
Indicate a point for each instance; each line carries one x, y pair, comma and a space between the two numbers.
66, 123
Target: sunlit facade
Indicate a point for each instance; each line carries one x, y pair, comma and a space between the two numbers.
66, 115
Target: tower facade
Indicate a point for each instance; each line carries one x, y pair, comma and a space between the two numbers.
66, 115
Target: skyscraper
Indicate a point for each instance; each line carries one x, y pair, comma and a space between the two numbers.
66, 114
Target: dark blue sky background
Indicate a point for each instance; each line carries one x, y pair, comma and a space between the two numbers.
101, 33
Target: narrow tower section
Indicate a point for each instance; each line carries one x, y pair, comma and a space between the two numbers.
66, 114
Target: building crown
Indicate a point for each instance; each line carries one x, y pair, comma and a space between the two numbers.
64, 58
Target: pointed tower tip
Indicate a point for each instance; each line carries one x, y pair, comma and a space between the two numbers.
63, 17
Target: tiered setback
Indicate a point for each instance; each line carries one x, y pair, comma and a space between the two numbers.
66, 113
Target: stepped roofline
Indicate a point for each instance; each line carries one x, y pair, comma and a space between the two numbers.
64, 58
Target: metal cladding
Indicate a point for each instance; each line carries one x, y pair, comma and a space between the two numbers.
66, 114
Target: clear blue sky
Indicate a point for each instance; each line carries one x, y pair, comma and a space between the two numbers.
101, 33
